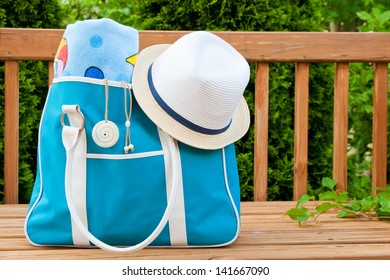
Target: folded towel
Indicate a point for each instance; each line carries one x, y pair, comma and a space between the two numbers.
97, 48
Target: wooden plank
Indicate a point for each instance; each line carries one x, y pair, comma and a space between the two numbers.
6, 233
38, 44
340, 126
29, 44
327, 237
294, 46
11, 132
276, 225
261, 132
379, 127
234, 252
50, 74
265, 234
301, 120
9, 222
247, 240
13, 210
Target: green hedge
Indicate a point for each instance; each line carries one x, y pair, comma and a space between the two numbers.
265, 15
33, 86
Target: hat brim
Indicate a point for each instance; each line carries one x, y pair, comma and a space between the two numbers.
237, 129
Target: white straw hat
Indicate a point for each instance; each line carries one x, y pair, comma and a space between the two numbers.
193, 90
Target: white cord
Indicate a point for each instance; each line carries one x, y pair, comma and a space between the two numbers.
128, 145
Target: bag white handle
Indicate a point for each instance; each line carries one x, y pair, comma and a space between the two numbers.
73, 136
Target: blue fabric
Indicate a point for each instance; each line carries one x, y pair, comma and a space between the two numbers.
126, 198
97, 48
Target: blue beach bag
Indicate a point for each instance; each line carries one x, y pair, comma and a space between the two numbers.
107, 176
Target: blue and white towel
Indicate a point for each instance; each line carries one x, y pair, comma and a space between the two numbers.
97, 48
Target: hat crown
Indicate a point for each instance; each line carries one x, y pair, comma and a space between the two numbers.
201, 78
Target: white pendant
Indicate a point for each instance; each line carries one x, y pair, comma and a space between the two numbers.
105, 134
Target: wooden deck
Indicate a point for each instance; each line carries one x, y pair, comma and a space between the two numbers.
265, 234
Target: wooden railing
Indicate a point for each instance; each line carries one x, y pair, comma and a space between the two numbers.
261, 48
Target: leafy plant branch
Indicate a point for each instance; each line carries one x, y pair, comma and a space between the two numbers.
330, 200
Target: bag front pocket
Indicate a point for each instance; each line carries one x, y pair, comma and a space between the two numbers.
126, 197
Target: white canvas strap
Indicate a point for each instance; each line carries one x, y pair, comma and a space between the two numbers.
177, 220
74, 135
78, 180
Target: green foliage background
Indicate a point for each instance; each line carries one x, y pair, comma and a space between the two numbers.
264, 15
374, 16
33, 86
248, 15
353, 15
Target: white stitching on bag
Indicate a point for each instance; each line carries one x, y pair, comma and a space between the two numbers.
130, 156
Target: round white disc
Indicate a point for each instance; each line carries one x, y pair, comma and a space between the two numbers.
105, 134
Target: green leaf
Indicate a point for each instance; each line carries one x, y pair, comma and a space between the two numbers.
304, 199
299, 213
368, 203
368, 108
343, 213
326, 206
356, 205
376, 11
384, 17
341, 197
384, 202
333, 196
364, 15
328, 182
329, 195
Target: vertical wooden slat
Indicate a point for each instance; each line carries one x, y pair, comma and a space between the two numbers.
11, 132
50, 72
261, 132
301, 129
340, 126
379, 127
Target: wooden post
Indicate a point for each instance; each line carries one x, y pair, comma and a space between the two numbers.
261, 132
340, 126
50, 74
301, 121
379, 127
11, 132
